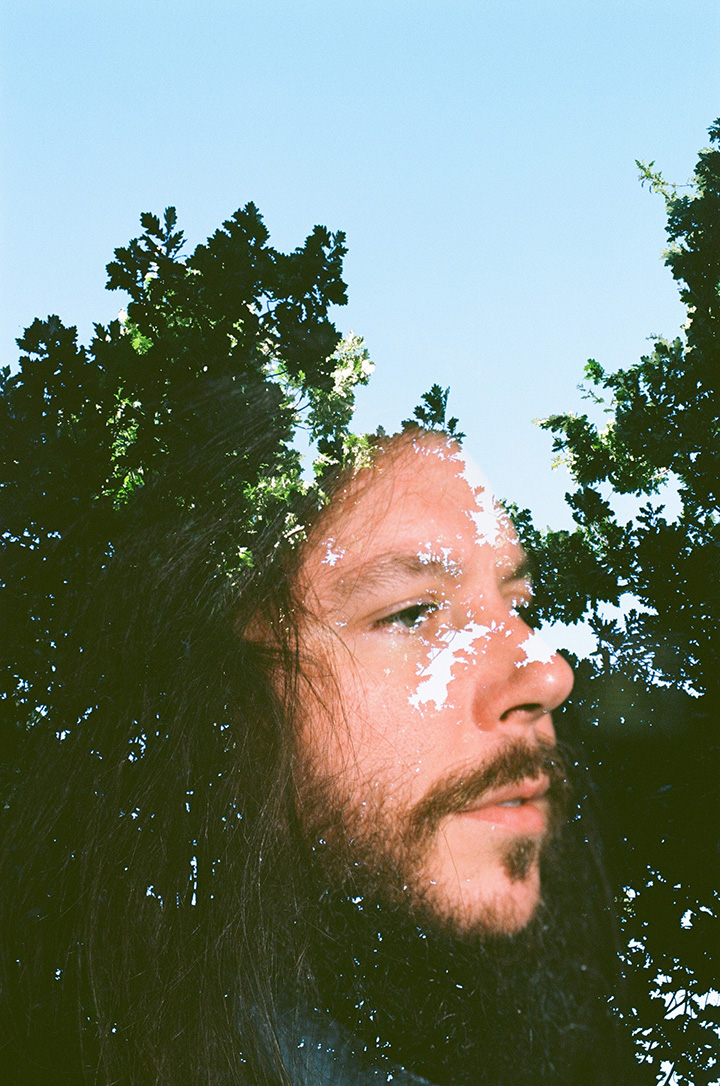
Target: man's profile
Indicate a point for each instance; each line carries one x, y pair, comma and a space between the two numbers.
387, 879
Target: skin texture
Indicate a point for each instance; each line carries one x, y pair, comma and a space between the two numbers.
431, 698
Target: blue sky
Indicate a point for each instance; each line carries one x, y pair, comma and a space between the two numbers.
480, 157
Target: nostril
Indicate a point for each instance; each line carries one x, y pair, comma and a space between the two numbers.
530, 709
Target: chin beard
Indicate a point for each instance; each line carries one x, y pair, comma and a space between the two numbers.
453, 1001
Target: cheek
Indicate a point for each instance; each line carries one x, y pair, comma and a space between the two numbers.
386, 718
363, 728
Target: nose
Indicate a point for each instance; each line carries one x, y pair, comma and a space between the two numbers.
520, 681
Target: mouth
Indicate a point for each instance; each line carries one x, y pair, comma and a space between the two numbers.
521, 789
518, 808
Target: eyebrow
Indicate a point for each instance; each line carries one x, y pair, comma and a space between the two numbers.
521, 571
386, 569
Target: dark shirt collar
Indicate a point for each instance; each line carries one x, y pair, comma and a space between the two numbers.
320, 1052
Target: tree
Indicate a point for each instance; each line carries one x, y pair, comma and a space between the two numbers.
646, 698
84, 431
160, 458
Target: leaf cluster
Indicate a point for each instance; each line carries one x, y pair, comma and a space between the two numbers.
431, 413
184, 407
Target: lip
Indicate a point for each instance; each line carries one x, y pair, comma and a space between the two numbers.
529, 818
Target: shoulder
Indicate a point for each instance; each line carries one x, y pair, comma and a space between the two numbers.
319, 1052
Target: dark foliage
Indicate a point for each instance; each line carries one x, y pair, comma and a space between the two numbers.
149, 494
431, 413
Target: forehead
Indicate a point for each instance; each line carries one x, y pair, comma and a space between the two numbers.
421, 500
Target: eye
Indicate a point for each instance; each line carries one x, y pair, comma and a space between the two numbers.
409, 618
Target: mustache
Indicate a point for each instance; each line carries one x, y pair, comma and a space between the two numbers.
517, 761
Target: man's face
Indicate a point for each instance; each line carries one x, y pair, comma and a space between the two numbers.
427, 728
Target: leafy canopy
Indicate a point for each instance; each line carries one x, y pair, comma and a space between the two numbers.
195, 394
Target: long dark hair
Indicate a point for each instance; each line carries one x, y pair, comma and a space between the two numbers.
145, 876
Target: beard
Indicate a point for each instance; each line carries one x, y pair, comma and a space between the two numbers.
371, 848
455, 1001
